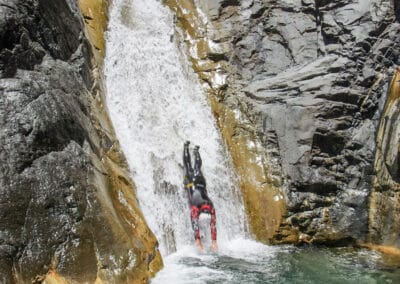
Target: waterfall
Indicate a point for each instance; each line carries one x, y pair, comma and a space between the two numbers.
156, 103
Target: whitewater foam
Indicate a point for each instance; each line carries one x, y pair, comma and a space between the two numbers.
156, 103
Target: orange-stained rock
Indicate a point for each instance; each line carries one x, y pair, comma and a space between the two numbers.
95, 13
384, 215
262, 191
264, 201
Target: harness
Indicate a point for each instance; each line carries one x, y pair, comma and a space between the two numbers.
189, 185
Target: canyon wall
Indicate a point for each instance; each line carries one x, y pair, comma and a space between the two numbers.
306, 95
298, 88
67, 205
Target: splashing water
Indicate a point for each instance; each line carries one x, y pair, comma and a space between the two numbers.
155, 104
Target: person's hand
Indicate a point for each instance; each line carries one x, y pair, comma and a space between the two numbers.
214, 246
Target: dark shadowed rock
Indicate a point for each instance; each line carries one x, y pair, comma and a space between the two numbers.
67, 204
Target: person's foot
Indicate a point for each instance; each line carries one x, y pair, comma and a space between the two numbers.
214, 246
199, 245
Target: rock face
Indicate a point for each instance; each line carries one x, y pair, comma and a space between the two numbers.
301, 85
384, 218
67, 206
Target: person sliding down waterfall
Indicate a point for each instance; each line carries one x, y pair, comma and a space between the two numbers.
199, 202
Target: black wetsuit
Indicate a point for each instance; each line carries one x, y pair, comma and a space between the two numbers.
195, 185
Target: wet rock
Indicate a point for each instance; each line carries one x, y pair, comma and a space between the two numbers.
397, 10
316, 74
67, 206
384, 202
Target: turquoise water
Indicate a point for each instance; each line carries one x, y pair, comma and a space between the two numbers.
244, 261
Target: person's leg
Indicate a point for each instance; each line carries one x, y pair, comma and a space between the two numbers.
213, 225
187, 162
194, 216
209, 208
197, 162
213, 228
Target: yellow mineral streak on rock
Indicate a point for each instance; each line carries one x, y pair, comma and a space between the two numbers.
384, 207
262, 194
394, 92
187, 15
94, 13
53, 278
264, 202
127, 209
385, 249
195, 34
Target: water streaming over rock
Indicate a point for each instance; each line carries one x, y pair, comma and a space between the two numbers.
156, 103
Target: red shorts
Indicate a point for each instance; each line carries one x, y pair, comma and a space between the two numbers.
194, 216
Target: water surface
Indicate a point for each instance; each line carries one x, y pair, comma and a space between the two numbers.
245, 261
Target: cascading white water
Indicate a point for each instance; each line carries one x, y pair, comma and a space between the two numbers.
156, 103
